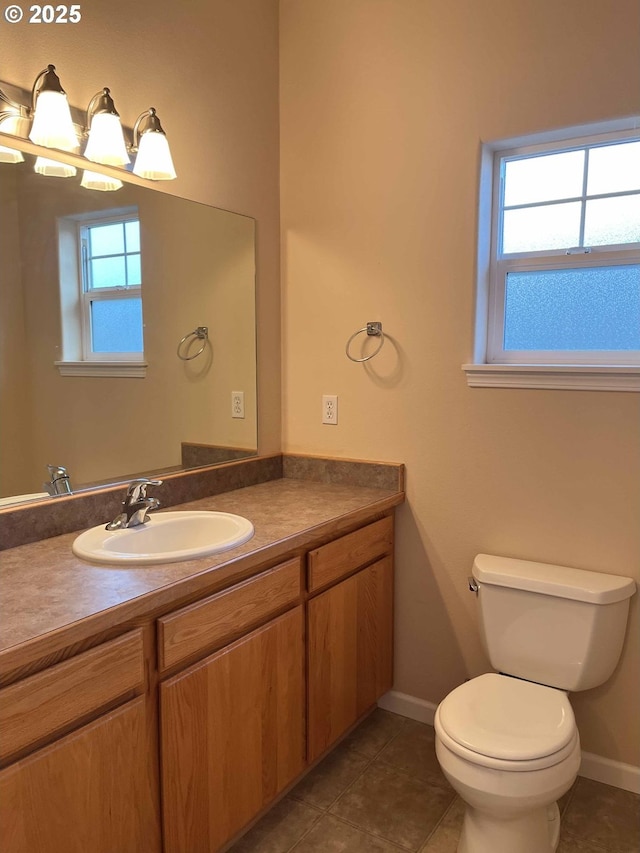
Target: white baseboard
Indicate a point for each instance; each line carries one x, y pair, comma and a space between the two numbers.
408, 706
610, 772
595, 767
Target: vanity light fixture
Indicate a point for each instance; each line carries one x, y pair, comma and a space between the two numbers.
14, 119
52, 123
153, 158
106, 140
48, 122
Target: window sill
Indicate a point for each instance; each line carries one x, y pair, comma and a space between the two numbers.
120, 369
565, 377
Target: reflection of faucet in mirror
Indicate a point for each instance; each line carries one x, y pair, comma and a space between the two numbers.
135, 505
59, 482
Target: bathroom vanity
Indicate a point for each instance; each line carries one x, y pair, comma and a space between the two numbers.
165, 707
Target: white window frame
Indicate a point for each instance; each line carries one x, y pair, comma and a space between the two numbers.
78, 359
100, 294
492, 365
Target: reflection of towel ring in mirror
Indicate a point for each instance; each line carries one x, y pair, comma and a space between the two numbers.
373, 330
202, 334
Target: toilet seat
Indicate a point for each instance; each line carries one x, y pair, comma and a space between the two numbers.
506, 723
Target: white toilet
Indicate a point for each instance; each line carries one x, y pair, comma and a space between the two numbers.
508, 742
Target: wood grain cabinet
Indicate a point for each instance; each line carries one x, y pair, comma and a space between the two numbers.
232, 735
211, 710
349, 634
96, 788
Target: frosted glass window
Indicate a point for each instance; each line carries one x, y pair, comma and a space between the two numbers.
112, 285
611, 221
548, 226
596, 308
563, 282
614, 168
116, 325
544, 178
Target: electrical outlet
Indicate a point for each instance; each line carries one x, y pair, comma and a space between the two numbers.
237, 404
329, 408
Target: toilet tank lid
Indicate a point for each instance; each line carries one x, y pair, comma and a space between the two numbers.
547, 579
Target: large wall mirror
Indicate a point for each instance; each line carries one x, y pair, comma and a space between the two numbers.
97, 290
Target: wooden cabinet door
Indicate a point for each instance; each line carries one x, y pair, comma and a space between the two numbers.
90, 791
232, 731
350, 652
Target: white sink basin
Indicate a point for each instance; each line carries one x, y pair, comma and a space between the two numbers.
164, 538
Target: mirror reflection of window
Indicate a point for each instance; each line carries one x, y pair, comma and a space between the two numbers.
111, 287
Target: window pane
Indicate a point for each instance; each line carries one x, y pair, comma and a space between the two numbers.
108, 272
550, 226
595, 308
107, 239
612, 220
133, 269
116, 325
614, 168
545, 178
132, 230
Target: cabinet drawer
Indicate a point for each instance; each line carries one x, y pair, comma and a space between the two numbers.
50, 701
341, 557
221, 618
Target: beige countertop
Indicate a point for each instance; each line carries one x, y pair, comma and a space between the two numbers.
50, 599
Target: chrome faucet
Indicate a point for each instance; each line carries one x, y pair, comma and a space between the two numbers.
135, 505
59, 484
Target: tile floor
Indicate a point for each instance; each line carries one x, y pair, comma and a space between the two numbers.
381, 791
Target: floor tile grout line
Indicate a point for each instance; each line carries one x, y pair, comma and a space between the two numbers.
335, 800
409, 775
374, 834
571, 836
306, 832
567, 805
439, 823
370, 760
444, 787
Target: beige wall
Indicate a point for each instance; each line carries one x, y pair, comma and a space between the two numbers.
384, 105
210, 67
15, 428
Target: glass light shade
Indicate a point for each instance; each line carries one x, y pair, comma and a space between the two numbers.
94, 181
53, 168
154, 158
10, 155
52, 125
106, 141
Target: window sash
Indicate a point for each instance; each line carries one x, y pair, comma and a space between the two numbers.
103, 295
496, 354
91, 294
569, 258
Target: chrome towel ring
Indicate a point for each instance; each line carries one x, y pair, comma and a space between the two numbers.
373, 330
202, 334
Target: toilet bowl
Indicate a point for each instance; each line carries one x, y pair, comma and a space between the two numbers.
510, 749
507, 741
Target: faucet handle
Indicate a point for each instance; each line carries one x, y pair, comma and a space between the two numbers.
138, 488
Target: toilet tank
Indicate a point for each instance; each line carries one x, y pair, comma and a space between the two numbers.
554, 625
